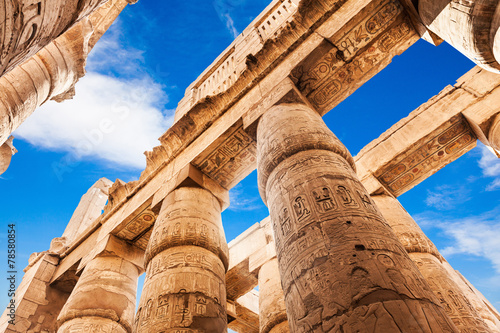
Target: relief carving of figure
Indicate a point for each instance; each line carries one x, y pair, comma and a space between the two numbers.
300, 207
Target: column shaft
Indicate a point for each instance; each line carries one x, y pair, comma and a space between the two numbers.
186, 258
341, 265
456, 301
494, 134
272, 310
104, 298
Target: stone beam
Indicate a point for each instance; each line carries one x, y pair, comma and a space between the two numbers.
7, 150
435, 134
245, 316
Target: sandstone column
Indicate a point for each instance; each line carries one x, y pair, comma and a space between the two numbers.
104, 297
52, 73
7, 150
272, 310
494, 134
186, 260
472, 27
456, 301
341, 265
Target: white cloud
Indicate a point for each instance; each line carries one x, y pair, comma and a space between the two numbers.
115, 116
242, 200
490, 166
446, 197
224, 9
473, 235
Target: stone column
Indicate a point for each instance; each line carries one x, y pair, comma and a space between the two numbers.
7, 150
472, 27
456, 301
186, 260
104, 297
272, 310
494, 134
341, 265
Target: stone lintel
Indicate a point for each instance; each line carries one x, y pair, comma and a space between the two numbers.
192, 177
435, 134
114, 246
246, 313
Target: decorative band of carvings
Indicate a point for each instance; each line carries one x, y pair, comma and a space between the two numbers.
451, 140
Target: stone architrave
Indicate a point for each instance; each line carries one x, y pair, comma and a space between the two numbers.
186, 260
51, 74
7, 150
89, 208
341, 265
272, 310
104, 297
472, 27
461, 305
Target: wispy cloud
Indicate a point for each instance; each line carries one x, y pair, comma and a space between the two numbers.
242, 200
116, 115
490, 166
224, 8
476, 235
447, 197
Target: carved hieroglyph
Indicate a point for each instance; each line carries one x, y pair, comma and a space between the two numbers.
456, 301
186, 258
272, 310
451, 140
342, 267
104, 298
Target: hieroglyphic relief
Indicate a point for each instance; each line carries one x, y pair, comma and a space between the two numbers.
342, 267
453, 139
138, 226
340, 64
452, 299
186, 260
230, 158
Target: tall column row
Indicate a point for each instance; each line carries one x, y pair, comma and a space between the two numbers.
462, 307
341, 265
186, 260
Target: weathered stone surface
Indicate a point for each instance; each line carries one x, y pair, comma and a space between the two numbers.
272, 310
52, 72
246, 313
433, 135
186, 258
469, 26
28, 26
7, 150
103, 299
494, 134
89, 208
341, 264
37, 302
455, 300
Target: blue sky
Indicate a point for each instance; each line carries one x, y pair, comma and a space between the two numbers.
138, 72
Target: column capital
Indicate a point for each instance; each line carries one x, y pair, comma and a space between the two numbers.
190, 176
287, 129
112, 246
